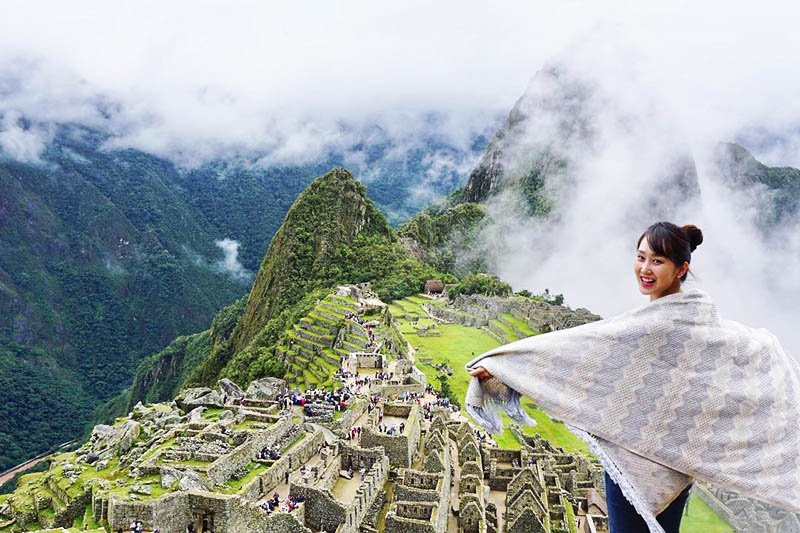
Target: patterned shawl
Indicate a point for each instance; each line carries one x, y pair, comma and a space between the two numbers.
663, 393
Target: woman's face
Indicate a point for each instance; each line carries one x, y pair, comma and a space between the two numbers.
656, 275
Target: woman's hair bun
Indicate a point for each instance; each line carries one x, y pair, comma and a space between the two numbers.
695, 235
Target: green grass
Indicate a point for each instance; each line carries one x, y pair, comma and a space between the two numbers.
212, 414
166, 444
570, 515
519, 324
702, 519
396, 311
426, 323
508, 335
233, 486
409, 307
337, 305
247, 424
457, 345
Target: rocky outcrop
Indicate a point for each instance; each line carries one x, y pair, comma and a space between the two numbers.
229, 388
109, 441
537, 151
198, 397
191, 480
265, 389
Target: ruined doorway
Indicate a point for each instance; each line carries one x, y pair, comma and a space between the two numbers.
207, 523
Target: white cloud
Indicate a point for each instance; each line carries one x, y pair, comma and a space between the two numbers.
20, 142
230, 263
194, 80
585, 249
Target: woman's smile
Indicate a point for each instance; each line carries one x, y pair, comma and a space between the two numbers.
657, 275
647, 283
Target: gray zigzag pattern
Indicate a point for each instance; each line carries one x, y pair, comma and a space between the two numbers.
735, 419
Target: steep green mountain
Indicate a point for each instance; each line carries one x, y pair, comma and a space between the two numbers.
103, 263
777, 188
332, 212
109, 255
535, 155
332, 234
438, 235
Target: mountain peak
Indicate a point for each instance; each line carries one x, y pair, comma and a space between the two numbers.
333, 210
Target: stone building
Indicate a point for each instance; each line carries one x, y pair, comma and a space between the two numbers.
422, 497
401, 446
336, 503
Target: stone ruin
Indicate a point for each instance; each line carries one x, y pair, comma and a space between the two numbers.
204, 467
201, 460
478, 310
401, 448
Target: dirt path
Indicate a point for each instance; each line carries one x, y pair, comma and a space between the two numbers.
21, 468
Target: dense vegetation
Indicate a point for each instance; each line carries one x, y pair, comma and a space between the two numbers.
480, 284
109, 255
102, 264
440, 235
333, 234
39, 402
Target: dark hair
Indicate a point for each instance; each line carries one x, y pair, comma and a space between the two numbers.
674, 242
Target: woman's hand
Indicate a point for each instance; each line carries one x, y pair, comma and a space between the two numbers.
480, 373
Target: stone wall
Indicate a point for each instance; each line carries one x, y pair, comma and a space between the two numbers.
170, 513
173, 512
297, 456
357, 457
323, 510
247, 517
452, 315
371, 486
399, 448
396, 388
349, 417
223, 468
366, 360
416, 517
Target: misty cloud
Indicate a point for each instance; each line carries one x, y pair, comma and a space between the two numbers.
616, 183
21, 142
200, 82
230, 263
281, 86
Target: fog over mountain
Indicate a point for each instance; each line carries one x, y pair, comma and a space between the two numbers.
590, 156
281, 85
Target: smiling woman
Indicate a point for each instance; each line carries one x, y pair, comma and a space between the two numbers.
662, 259
659, 393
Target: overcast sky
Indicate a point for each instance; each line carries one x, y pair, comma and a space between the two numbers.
287, 81
195, 80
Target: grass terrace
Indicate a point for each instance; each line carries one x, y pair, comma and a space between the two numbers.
234, 486
700, 518
456, 345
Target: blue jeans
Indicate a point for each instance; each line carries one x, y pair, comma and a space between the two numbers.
623, 518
